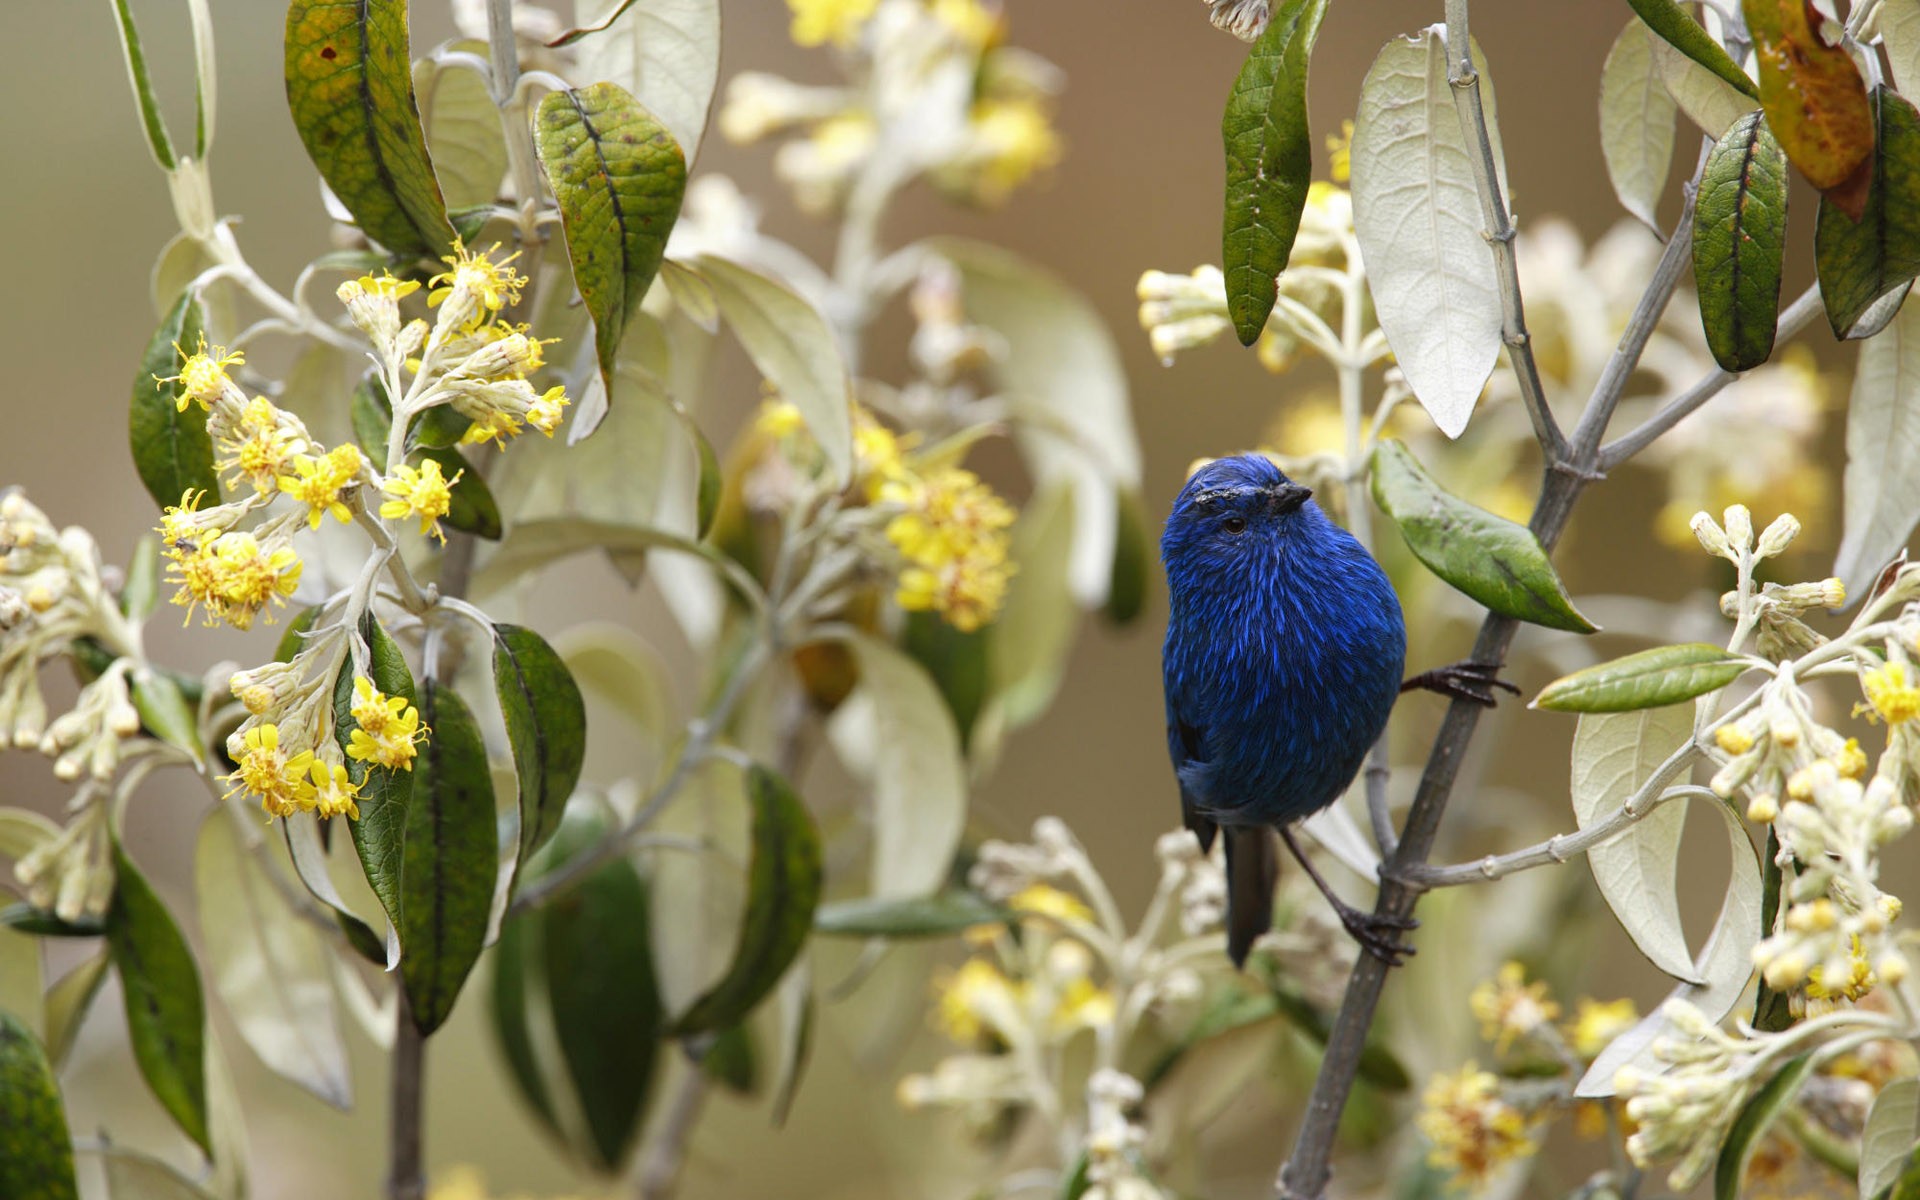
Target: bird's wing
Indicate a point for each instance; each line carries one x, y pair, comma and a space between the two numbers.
1187, 744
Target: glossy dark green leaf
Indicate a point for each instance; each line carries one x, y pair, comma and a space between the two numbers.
350, 87
619, 177
1815, 99
783, 889
42, 922
36, 1151
1495, 561
172, 450
546, 722
471, 506
1860, 261
956, 660
386, 794
141, 592
135, 57
1269, 162
1739, 239
1648, 679
449, 856
732, 1060
1132, 559
939, 915
1755, 1116
166, 1016
1683, 33
164, 710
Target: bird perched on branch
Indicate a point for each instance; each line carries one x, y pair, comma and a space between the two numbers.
1283, 657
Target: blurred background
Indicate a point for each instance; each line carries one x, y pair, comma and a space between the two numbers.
1139, 188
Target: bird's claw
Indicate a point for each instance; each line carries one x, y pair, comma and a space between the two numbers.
1470, 681
1379, 934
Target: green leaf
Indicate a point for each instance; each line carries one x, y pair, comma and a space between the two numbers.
166, 1018
1883, 434
1636, 123
1269, 162
1887, 1142
471, 507
172, 450
619, 177
1498, 563
731, 1061
1683, 33
1739, 238
783, 882
1614, 754
1648, 679
546, 721
386, 794
309, 857
957, 662
158, 143
164, 710
938, 915
514, 958
1755, 1116
44, 923
462, 124
1815, 100
1861, 261
1132, 559
666, 52
268, 966
794, 347
141, 592
68, 1002
36, 1151
350, 87
21, 984
449, 857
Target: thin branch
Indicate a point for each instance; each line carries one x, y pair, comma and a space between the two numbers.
1499, 231
406, 1175
1798, 316
1558, 850
666, 1151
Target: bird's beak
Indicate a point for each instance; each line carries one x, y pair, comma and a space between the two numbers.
1289, 496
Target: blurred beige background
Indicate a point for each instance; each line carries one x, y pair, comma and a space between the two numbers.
87, 212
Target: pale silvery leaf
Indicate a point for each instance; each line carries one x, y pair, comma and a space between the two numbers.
67, 1003
1893, 1125
268, 966
1900, 32
1027, 654
1613, 755
134, 1175
613, 663
918, 777
1067, 392
20, 981
1341, 836
666, 52
1883, 437
1708, 100
1725, 962
794, 347
700, 897
226, 1125
463, 129
1636, 122
22, 831
1416, 213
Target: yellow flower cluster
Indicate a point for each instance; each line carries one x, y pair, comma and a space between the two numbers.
482, 361
1473, 1131
389, 732
1509, 1008
1052, 993
318, 482
282, 778
203, 374
301, 770
1891, 696
818, 22
233, 576
425, 493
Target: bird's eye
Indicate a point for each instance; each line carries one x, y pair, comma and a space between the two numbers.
1234, 524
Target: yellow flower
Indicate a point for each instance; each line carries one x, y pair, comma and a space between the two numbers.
1340, 153
235, 577
203, 374
971, 21
1597, 1022
184, 522
266, 770
333, 792
779, 419
876, 452
1733, 739
1893, 698
386, 287
260, 447
1851, 761
317, 482
544, 413
1474, 1132
975, 1000
1083, 1005
495, 427
817, 22
950, 515
967, 595
1509, 1008
477, 285
1040, 900
424, 493
1857, 982
389, 728
1014, 140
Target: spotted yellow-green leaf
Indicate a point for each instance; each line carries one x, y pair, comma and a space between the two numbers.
166, 1015
1683, 33
36, 1151
1756, 1115
783, 889
350, 86
1493, 560
1648, 679
386, 793
172, 450
619, 177
1269, 162
1860, 260
1739, 240
1815, 100
546, 721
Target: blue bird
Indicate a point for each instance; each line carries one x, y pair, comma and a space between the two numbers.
1284, 652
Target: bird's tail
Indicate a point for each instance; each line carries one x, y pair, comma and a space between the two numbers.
1252, 868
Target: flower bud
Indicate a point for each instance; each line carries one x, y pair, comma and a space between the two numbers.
1712, 539
1733, 739
1739, 523
1763, 808
1777, 536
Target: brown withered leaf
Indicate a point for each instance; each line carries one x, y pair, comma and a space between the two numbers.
1815, 100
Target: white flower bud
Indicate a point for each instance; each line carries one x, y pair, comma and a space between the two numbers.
1777, 536
1712, 539
1739, 524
